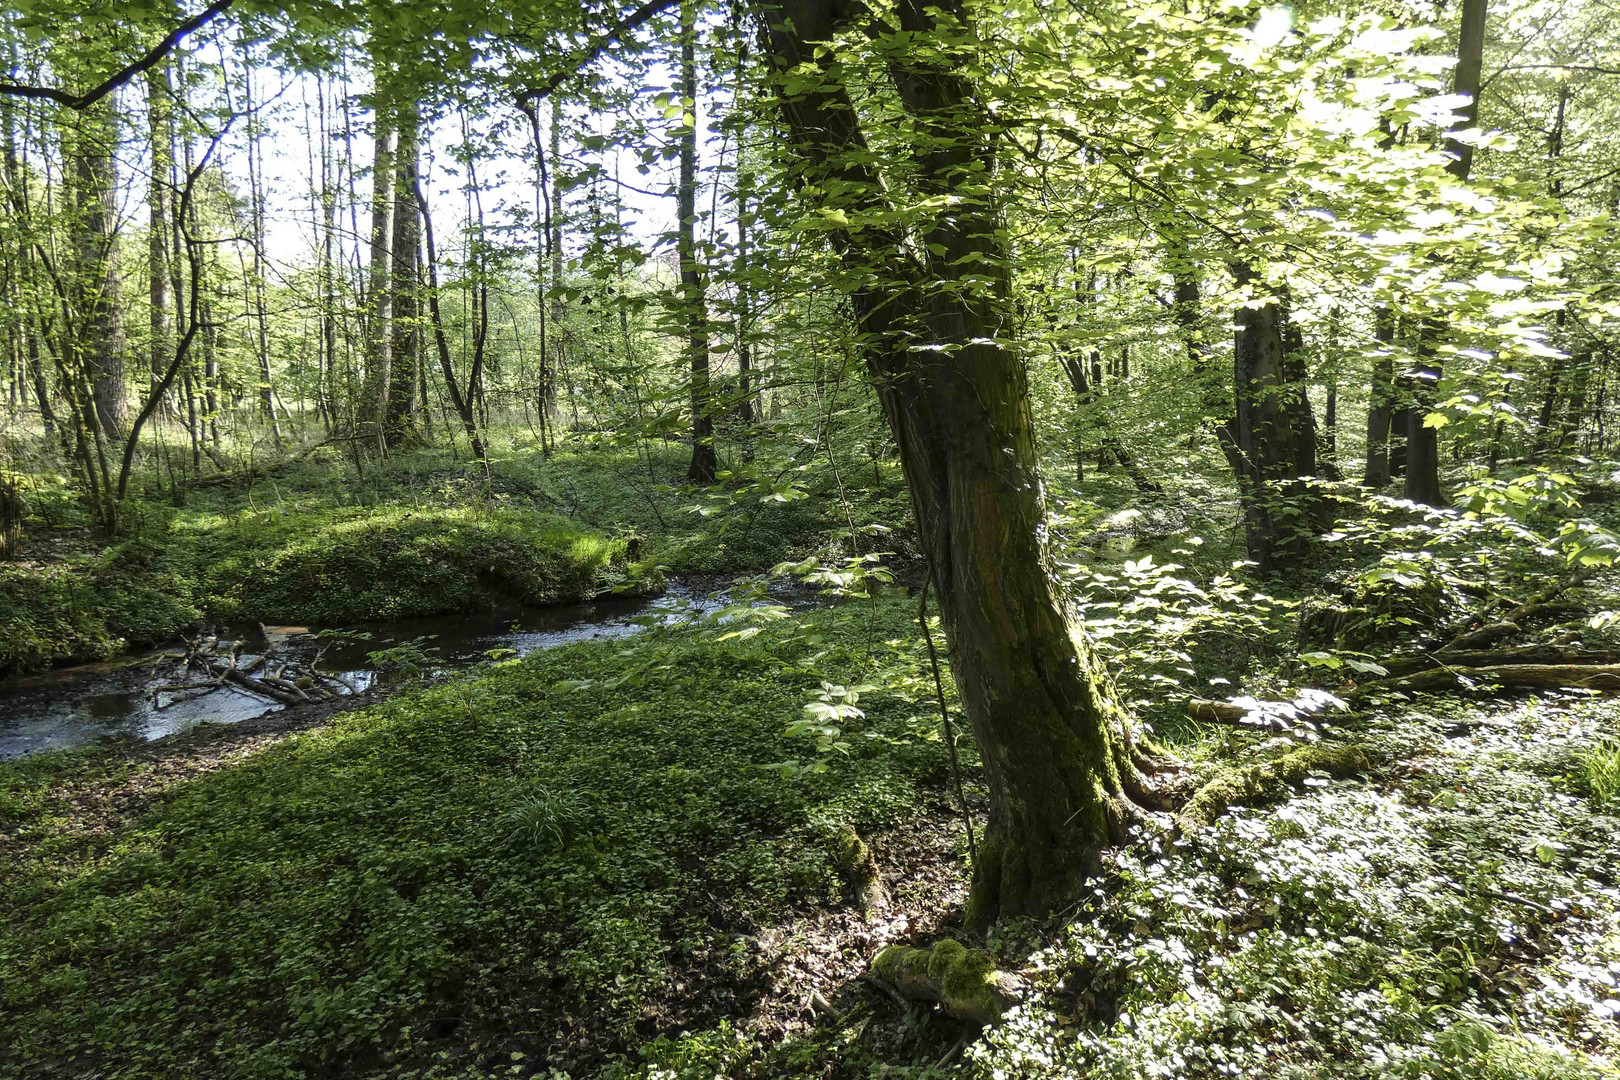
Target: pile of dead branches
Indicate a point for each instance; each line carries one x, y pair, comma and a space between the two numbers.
226, 664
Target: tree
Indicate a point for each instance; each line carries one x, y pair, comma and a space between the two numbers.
694, 302
934, 328
399, 389
1422, 438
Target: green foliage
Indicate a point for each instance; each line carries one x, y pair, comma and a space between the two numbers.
76, 612
326, 899
544, 819
1599, 773
1352, 931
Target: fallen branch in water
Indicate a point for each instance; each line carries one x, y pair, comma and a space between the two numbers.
284, 681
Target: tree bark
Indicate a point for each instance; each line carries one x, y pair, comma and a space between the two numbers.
406, 330
1423, 440
1275, 437
98, 336
1381, 400
159, 111
954, 391
694, 303
379, 344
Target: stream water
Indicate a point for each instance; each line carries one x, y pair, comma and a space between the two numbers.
75, 705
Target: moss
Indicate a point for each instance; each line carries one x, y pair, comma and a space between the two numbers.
1269, 781
395, 563
965, 981
854, 860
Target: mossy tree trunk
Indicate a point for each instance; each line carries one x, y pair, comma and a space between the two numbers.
694, 303
406, 329
936, 326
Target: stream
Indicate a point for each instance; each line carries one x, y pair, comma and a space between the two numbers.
76, 705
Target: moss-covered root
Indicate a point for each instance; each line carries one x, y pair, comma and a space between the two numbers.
854, 860
965, 981
1268, 781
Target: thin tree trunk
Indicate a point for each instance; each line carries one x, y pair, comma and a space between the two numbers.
400, 389
379, 338
694, 304
1422, 440
1380, 401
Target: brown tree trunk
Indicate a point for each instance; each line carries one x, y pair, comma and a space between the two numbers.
406, 331
1053, 741
1276, 441
159, 108
379, 338
99, 330
1422, 440
694, 303
1380, 403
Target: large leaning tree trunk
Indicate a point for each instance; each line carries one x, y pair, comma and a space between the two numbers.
935, 320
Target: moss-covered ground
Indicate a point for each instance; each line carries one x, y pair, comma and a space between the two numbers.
316, 540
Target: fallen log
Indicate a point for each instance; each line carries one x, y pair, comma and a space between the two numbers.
965, 981
1267, 781
1604, 678
854, 860
1216, 712
1521, 654
1488, 634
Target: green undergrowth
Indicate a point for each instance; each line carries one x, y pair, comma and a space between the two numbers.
551, 861
421, 533
396, 562
1462, 925
1454, 916
85, 610
277, 564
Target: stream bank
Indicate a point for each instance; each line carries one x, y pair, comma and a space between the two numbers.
124, 698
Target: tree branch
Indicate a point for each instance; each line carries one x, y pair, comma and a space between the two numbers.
150, 60
527, 98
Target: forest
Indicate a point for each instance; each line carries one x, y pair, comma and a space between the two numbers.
838, 539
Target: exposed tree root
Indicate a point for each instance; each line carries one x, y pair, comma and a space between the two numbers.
1268, 781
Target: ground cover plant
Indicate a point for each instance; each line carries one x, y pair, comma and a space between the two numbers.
420, 876
798, 539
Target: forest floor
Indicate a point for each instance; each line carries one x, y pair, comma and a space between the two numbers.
586, 862
615, 860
